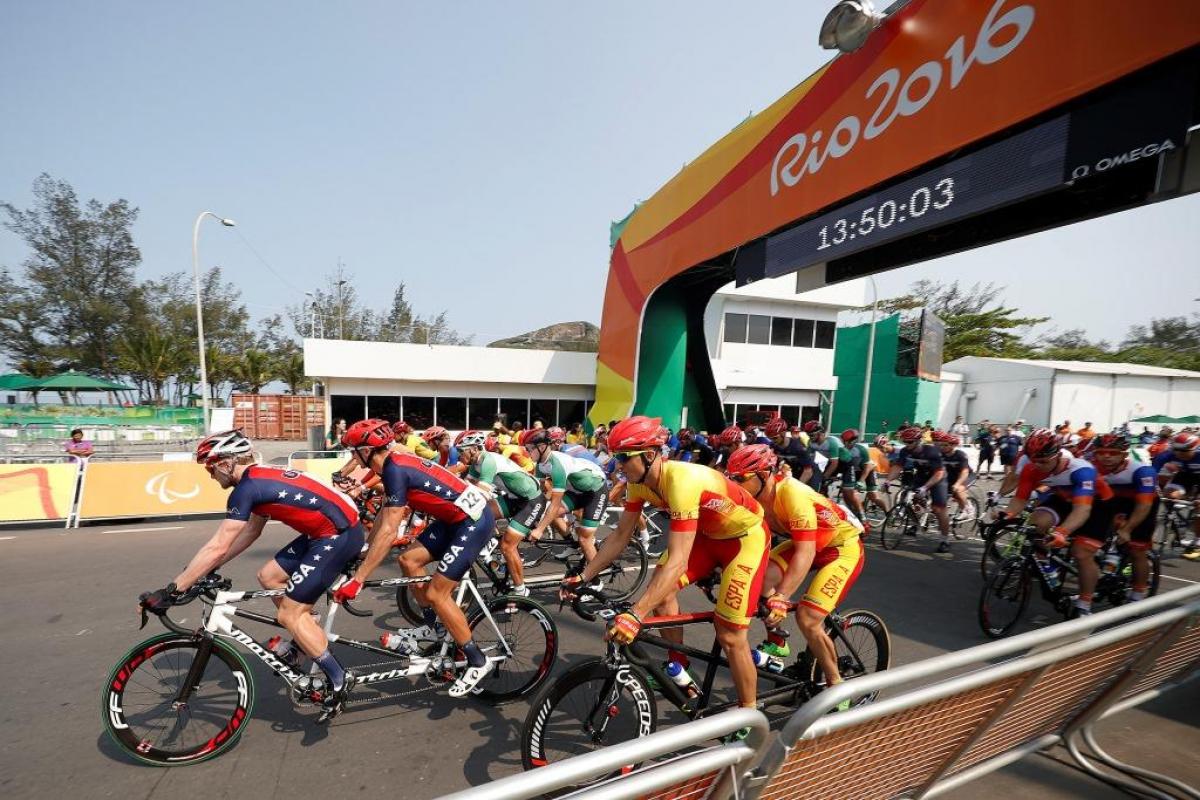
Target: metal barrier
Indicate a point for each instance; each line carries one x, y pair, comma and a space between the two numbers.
316, 455
943, 722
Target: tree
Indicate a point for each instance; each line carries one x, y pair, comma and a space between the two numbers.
1074, 345
291, 372
72, 301
977, 323
151, 357
253, 370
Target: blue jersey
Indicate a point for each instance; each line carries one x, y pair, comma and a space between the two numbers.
924, 460
308, 506
579, 451
423, 486
1180, 472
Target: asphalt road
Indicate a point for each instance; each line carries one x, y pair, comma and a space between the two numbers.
69, 614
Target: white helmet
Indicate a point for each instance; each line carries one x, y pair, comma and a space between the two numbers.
226, 444
471, 438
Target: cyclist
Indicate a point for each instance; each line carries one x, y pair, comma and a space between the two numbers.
959, 476
410, 441
560, 440
461, 523
694, 447
858, 474
924, 463
714, 522
330, 537
790, 451
726, 442
1065, 513
516, 497
1179, 475
1134, 506
437, 439
821, 442
575, 484
822, 537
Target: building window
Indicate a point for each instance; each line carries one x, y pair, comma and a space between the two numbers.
418, 411
514, 410
810, 413
791, 414
350, 407
735, 328
570, 412
545, 411
825, 332
759, 329
381, 407
730, 414
482, 412
781, 331
452, 413
803, 335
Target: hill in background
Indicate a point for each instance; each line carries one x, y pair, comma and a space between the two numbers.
579, 337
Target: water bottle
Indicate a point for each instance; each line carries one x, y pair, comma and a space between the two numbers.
1050, 572
764, 661
396, 642
681, 678
1111, 560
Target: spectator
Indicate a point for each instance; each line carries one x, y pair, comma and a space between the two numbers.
333, 439
1009, 446
985, 440
1146, 436
78, 448
927, 432
961, 429
576, 435
1085, 433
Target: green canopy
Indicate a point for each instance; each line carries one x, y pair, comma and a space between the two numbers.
16, 381
77, 382
1163, 419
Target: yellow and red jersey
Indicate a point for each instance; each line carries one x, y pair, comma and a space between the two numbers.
699, 500
810, 516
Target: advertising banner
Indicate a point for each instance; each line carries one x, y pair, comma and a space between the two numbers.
319, 469
36, 492
145, 489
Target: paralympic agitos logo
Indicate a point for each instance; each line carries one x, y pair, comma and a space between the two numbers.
805, 153
157, 487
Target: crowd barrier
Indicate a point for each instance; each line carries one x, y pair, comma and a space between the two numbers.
942, 722
111, 490
318, 464
37, 492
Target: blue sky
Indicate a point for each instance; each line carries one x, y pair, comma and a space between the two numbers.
475, 151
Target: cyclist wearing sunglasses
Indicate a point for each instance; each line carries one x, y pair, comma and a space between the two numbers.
330, 537
714, 522
822, 536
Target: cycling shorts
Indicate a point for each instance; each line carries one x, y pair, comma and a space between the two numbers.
1093, 533
313, 565
850, 478
523, 513
1185, 482
593, 503
939, 493
743, 563
455, 545
836, 568
1142, 537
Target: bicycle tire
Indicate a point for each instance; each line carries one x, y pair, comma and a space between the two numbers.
410, 609
891, 534
1010, 586
167, 652
874, 513
967, 519
1003, 544
859, 631
627, 574
572, 705
520, 620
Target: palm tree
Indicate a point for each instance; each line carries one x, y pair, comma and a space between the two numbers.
151, 358
253, 370
291, 372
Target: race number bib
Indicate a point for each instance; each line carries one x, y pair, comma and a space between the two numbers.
472, 502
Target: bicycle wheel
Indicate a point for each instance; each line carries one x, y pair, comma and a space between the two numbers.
966, 520
524, 629
874, 513
1004, 597
625, 576
139, 702
592, 705
863, 646
1001, 545
410, 609
894, 526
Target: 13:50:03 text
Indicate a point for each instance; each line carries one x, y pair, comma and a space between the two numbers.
888, 213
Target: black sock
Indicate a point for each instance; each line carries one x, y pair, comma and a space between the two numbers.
428, 615
475, 656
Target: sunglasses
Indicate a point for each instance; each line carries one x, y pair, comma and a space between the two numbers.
742, 478
624, 456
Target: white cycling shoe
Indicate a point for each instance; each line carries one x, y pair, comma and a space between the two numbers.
468, 682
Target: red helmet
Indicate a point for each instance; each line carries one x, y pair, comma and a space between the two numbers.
776, 426
433, 432
812, 426
685, 435
373, 433
637, 433
941, 437
849, 435
401, 428
910, 435
749, 459
728, 437
882, 441
557, 435
533, 436
1185, 441
1043, 443
226, 444
492, 443
1110, 441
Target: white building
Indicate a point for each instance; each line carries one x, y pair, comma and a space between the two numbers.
772, 348
1046, 393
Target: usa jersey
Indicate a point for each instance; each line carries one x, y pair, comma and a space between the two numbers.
1073, 479
422, 486
296, 500
1132, 481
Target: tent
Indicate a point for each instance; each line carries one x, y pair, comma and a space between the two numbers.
15, 381
78, 382
1163, 419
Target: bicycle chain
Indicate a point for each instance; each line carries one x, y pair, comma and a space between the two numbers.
367, 668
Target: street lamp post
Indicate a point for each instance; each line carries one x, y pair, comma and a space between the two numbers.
341, 308
866, 397
199, 315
